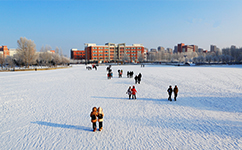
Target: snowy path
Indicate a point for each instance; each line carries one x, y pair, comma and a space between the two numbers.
50, 109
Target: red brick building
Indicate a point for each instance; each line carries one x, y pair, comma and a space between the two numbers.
4, 50
78, 54
186, 48
113, 52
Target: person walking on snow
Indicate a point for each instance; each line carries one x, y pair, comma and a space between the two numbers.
100, 118
169, 92
139, 78
133, 90
175, 90
93, 116
136, 79
129, 92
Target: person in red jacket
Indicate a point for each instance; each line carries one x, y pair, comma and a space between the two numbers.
133, 90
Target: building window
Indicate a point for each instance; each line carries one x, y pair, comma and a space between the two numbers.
100, 54
100, 48
106, 54
139, 48
128, 51
100, 51
133, 47
94, 47
94, 57
106, 48
94, 51
106, 51
100, 58
133, 51
94, 54
128, 48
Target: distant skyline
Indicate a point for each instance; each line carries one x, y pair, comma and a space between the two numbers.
153, 23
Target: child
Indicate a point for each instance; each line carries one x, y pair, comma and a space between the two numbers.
133, 92
100, 118
175, 92
169, 92
129, 92
93, 116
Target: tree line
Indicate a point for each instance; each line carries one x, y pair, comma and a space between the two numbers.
227, 55
26, 56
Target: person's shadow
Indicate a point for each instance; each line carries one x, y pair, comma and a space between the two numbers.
62, 125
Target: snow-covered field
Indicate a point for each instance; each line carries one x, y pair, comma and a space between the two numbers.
50, 109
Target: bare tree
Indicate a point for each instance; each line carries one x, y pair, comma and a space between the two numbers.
2, 60
56, 57
126, 58
10, 62
26, 51
45, 55
140, 57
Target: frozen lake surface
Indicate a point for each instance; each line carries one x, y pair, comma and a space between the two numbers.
50, 109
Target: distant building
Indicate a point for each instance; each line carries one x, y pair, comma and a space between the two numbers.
200, 50
195, 48
113, 52
175, 49
153, 50
12, 51
233, 47
213, 48
169, 50
78, 54
161, 49
4, 51
186, 48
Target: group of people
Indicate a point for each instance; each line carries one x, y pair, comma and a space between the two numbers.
120, 73
170, 90
97, 113
130, 74
137, 78
131, 92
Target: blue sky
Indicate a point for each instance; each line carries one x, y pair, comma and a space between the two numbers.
153, 23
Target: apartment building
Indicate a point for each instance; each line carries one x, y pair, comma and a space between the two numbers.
4, 51
186, 48
114, 52
78, 54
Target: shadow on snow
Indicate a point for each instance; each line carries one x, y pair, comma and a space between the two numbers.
62, 125
123, 98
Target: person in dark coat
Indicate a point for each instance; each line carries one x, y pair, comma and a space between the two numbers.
136, 79
175, 90
93, 116
169, 90
129, 92
128, 74
139, 78
131, 74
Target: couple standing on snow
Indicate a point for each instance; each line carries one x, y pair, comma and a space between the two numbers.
175, 90
94, 114
131, 92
